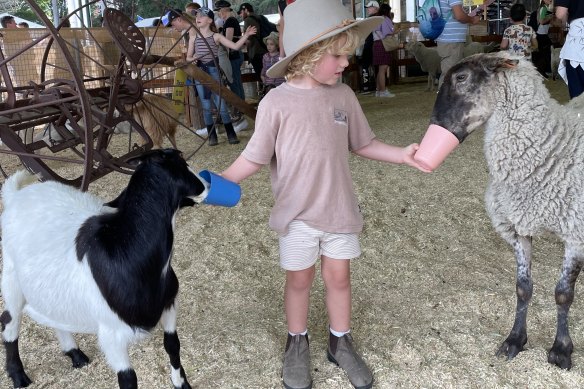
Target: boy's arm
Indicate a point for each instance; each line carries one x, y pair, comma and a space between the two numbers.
380, 151
241, 169
504, 43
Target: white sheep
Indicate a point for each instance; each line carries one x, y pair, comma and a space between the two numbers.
94, 267
534, 149
428, 59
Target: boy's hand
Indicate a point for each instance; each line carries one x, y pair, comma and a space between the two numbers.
408, 157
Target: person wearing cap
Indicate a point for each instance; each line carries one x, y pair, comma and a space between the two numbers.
203, 50
305, 130
255, 49
232, 31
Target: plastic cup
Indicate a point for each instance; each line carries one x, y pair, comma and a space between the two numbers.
437, 143
221, 191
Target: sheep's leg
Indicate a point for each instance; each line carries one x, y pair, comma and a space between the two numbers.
115, 347
514, 343
10, 321
561, 351
70, 348
172, 347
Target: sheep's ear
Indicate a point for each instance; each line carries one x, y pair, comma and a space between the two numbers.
497, 64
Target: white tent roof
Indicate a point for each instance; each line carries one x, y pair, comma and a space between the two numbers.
18, 20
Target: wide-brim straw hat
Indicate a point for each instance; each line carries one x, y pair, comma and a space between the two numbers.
307, 22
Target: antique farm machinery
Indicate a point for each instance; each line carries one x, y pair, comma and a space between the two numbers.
88, 81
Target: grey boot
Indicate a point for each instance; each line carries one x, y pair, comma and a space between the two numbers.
342, 352
296, 369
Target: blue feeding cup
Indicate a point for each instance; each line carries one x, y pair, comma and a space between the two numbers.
221, 191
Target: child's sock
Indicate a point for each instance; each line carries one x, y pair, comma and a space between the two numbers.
337, 333
300, 333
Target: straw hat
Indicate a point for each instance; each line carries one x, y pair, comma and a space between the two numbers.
307, 22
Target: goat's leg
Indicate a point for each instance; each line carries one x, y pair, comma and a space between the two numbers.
70, 348
172, 347
514, 343
114, 344
10, 321
561, 351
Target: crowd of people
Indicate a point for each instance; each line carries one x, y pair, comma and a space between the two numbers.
221, 30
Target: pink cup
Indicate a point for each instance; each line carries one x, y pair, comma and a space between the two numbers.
437, 143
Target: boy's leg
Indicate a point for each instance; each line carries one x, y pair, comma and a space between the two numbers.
296, 366
336, 274
296, 298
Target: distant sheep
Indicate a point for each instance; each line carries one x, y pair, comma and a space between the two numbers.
93, 267
428, 59
534, 150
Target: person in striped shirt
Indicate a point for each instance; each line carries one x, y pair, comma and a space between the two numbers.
451, 41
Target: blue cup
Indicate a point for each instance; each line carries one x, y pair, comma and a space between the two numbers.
221, 191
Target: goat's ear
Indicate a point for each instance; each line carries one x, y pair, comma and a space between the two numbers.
156, 154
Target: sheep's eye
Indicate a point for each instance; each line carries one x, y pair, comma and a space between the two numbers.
461, 77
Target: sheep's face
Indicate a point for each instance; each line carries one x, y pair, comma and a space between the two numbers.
464, 100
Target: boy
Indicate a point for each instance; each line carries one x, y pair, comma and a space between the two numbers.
305, 129
519, 38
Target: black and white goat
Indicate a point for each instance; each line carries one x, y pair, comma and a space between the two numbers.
94, 267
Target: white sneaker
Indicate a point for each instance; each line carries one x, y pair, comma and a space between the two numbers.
376, 93
202, 131
241, 125
385, 93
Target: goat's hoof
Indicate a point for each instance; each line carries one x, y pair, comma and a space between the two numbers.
185, 385
561, 355
78, 358
20, 379
511, 347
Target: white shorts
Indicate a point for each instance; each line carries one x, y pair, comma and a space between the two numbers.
303, 245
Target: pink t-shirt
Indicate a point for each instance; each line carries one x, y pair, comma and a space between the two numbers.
306, 136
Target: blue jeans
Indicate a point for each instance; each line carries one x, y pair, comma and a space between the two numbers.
206, 102
237, 86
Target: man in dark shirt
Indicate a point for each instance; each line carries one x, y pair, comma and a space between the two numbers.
255, 49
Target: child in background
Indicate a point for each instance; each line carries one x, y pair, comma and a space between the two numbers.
269, 59
203, 49
519, 38
305, 130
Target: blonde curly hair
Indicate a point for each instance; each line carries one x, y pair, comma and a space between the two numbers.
305, 62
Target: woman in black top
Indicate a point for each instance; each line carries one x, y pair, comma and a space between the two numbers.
232, 31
